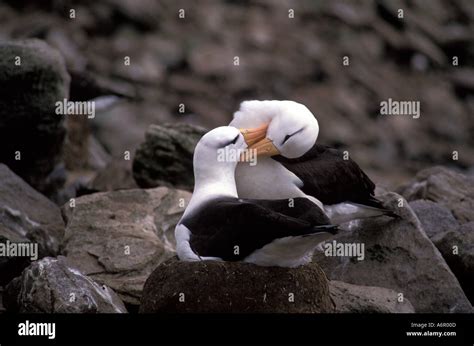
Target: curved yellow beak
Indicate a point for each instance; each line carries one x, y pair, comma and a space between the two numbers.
256, 140
265, 147
255, 135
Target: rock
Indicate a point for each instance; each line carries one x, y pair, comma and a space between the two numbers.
52, 286
434, 218
166, 156
2, 308
365, 299
452, 190
68, 43
143, 13
397, 255
86, 161
26, 216
457, 248
76, 185
389, 51
230, 287
98, 156
445, 232
120, 128
27, 110
87, 86
11, 267
76, 145
119, 237
463, 80
420, 43
117, 175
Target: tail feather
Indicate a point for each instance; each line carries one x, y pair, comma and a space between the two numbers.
372, 201
392, 214
345, 212
376, 203
333, 229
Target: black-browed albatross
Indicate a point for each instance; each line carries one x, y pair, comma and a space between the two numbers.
292, 164
218, 225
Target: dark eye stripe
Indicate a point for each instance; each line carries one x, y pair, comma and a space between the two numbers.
287, 137
235, 139
230, 142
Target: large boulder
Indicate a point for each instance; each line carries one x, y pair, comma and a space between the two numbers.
117, 175
166, 156
11, 266
457, 248
119, 237
365, 299
26, 216
454, 241
453, 190
52, 286
29, 127
227, 287
398, 255
434, 218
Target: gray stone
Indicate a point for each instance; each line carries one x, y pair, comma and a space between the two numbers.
230, 287
121, 127
52, 286
98, 156
366, 299
398, 256
26, 216
445, 232
28, 122
453, 190
434, 217
166, 156
76, 145
457, 248
119, 237
117, 175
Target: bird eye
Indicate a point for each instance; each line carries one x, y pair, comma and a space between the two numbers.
235, 139
287, 137
223, 145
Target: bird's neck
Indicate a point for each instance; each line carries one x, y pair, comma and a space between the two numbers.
207, 188
224, 186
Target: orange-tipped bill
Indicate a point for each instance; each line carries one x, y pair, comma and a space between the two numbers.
265, 147
255, 135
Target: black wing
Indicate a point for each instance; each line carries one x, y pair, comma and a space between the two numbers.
218, 227
330, 178
299, 208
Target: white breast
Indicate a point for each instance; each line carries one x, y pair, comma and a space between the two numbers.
268, 179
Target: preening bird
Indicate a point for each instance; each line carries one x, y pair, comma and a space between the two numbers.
218, 225
292, 164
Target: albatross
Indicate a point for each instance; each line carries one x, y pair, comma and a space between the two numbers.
218, 225
291, 163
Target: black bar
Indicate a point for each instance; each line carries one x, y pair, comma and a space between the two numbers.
241, 328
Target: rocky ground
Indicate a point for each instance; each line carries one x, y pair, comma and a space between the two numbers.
182, 70
101, 196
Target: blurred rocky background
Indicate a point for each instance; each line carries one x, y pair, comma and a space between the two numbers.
190, 62
130, 166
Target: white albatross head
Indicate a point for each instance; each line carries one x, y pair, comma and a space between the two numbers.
216, 155
284, 128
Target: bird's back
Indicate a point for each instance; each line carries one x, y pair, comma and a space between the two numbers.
330, 178
222, 224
